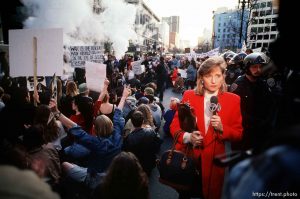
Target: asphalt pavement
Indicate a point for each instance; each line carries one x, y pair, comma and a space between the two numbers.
156, 189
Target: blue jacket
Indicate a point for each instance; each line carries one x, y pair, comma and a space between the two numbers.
103, 150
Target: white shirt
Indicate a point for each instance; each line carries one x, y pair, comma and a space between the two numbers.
207, 115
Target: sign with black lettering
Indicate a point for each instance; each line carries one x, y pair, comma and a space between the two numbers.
81, 54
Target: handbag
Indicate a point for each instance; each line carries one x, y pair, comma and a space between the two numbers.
177, 169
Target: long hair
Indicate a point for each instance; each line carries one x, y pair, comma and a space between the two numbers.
103, 126
125, 179
71, 89
85, 107
148, 119
45, 117
205, 68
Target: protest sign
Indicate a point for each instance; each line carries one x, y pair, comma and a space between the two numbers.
95, 75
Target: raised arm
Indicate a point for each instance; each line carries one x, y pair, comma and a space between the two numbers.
59, 116
125, 94
104, 90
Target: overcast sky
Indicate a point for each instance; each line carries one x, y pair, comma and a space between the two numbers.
195, 15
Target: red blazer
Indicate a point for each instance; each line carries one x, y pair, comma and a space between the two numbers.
230, 113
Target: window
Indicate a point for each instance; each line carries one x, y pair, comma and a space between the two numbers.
228, 36
254, 29
254, 14
266, 37
263, 5
273, 36
253, 37
260, 29
267, 28
268, 20
265, 44
219, 24
262, 13
218, 36
259, 37
254, 21
253, 45
274, 20
261, 21
268, 12
224, 30
258, 45
224, 24
256, 6
273, 28
269, 4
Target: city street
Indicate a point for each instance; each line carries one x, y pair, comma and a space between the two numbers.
156, 189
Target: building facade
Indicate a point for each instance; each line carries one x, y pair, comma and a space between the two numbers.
173, 22
227, 29
147, 26
262, 28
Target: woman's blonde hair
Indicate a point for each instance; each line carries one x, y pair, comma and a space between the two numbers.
205, 68
71, 89
103, 126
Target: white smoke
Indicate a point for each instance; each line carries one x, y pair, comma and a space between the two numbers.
83, 27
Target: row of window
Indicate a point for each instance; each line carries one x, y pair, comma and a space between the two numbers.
263, 37
263, 29
258, 45
263, 13
263, 5
264, 21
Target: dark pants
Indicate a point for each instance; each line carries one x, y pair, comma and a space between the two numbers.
161, 89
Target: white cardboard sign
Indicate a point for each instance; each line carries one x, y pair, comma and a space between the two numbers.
95, 75
49, 52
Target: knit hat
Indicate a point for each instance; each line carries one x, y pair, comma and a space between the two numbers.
83, 88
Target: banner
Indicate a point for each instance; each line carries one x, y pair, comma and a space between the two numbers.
213, 52
80, 54
95, 75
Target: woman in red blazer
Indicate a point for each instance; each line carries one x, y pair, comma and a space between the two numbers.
213, 129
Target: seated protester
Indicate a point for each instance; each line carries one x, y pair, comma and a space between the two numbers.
53, 130
66, 101
83, 113
155, 108
125, 179
169, 115
174, 75
179, 84
84, 92
18, 183
43, 158
103, 147
129, 107
148, 119
143, 142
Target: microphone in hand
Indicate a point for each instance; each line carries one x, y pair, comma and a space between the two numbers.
215, 107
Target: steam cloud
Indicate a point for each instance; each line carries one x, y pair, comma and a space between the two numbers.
81, 26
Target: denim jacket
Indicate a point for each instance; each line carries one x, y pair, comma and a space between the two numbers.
102, 149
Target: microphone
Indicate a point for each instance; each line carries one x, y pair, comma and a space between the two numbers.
214, 107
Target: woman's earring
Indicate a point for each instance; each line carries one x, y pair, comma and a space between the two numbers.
202, 82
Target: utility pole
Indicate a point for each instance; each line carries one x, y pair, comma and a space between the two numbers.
242, 3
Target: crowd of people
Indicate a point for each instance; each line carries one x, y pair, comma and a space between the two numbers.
84, 144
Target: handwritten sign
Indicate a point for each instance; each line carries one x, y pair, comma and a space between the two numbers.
81, 54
